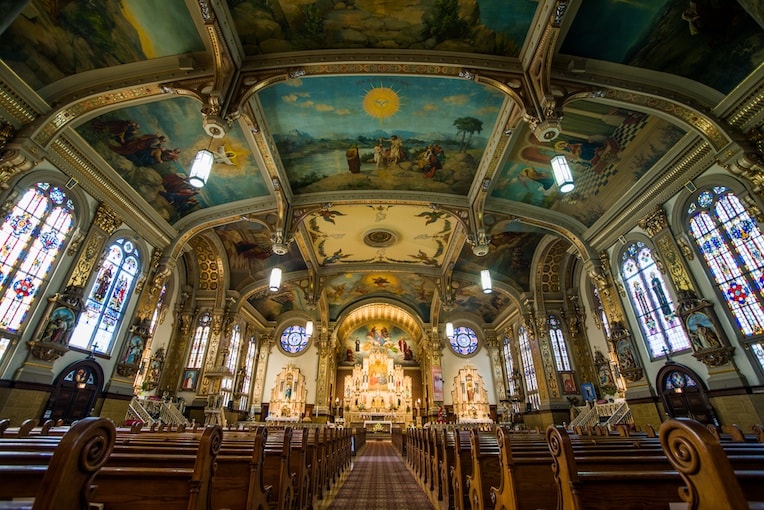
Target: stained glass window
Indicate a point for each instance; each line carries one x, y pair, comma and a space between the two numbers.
108, 298
249, 368
231, 363
509, 366
529, 370
561, 358
652, 303
31, 238
294, 339
199, 344
157, 310
732, 247
464, 341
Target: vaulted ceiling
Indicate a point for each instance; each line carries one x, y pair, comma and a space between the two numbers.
379, 148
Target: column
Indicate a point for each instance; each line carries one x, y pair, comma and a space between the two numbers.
267, 341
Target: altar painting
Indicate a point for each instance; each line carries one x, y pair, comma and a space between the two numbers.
396, 343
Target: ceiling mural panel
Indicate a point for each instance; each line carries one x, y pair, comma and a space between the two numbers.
609, 149
495, 27
151, 147
470, 298
377, 133
68, 37
248, 246
711, 41
375, 234
414, 289
509, 256
272, 304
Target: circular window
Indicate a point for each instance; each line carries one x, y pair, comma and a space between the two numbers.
294, 339
464, 341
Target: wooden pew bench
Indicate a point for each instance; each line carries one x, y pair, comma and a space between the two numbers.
277, 471
183, 482
60, 478
461, 469
710, 474
486, 469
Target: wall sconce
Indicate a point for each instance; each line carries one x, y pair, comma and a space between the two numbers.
449, 330
201, 167
275, 281
562, 174
485, 281
309, 328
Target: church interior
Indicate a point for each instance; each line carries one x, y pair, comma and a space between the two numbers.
382, 214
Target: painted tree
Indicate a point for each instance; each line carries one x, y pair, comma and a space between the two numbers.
465, 125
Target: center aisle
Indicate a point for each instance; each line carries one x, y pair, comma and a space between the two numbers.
379, 480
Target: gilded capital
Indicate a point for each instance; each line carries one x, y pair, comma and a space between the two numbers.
654, 222
106, 219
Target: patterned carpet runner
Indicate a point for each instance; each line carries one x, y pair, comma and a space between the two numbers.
380, 481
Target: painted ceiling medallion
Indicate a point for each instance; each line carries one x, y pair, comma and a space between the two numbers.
380, 238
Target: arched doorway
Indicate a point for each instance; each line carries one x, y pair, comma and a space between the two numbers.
75, 390
684, 394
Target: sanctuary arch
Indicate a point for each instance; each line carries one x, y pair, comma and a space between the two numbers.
381, 362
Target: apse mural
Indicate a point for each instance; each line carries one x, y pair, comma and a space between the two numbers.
398, 344
68, 37
509, 256
415, 290
609, 149
376, 133
152, 149
710, 41
497, 27
250, 257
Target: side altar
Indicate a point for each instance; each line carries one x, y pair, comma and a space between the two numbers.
378, 391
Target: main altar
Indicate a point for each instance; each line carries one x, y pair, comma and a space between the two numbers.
377, 391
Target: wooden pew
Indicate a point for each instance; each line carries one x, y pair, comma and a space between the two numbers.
461, 468
63, 478
238, 482
705, 467
436, 481
277, 471
298, 462
446, 466
145, 481
486, 469
526, 481
610, 481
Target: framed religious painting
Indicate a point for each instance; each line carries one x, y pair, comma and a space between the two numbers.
189, 379
568, 383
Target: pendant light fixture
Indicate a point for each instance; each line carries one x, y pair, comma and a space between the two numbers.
275, 281
449, 330
485, 281
309, 328
201, 167
562, 174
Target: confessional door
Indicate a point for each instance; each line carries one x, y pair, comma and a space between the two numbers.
74, 392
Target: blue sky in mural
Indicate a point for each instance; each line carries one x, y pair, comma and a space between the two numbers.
346, 107
509, 16
162, 27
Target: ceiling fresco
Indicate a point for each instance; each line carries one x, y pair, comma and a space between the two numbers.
496, 27
470, 298
711, 41
272, 304
609, 149
151, 150
384, 233
509, 257
68, 37
376, 133
397, 343
248, 248
356, 149
415, 290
